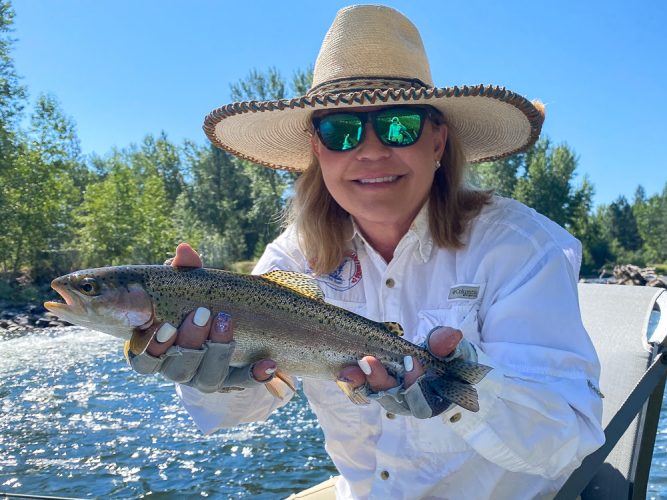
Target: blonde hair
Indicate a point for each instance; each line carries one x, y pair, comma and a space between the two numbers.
324, 228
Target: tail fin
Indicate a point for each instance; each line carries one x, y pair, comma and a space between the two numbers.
467, 371
458, 393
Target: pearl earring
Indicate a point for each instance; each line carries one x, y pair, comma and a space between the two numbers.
437, 164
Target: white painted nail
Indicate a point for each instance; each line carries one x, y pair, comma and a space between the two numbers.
365, 367
165, 333
408, 363
270, 371
201, 316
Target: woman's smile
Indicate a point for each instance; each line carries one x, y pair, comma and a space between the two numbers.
390, 179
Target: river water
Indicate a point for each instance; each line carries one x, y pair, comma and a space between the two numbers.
75, 421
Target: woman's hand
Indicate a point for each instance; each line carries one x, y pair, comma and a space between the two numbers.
198, 352
442, 343
416, 396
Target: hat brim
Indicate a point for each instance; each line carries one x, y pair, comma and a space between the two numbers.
490, 122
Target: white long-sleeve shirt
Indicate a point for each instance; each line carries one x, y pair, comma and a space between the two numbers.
512, 291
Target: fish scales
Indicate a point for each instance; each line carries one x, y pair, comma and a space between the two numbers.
262, 310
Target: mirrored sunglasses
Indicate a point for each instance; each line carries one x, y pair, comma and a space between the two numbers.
397, 127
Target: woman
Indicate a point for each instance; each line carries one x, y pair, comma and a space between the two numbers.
391, 232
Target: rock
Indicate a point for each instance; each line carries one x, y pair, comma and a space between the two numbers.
634, 275
36, 309
659, 282
43, 322
22, 320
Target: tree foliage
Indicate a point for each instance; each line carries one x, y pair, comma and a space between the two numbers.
12, 92
60, 210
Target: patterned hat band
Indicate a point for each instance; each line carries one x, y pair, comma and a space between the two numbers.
357, 84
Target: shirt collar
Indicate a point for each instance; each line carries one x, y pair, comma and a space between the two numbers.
419, 229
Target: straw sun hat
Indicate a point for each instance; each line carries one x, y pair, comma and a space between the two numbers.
373, 56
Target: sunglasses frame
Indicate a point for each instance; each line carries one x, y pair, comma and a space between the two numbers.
364, 116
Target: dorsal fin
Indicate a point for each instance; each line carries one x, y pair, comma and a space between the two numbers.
394, 328
297, 282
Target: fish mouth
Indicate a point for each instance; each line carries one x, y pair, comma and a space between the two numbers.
71, 304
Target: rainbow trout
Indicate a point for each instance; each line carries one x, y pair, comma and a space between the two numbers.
280, 315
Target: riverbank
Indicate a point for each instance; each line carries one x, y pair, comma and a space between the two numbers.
16, 319
629, 274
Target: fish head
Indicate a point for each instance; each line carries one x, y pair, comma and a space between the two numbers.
111, 300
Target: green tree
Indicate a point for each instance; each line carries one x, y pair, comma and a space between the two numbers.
622, 225
651, 217
126, 216
12, 93
267, 186
500, 175
236, 203
596, 247
53, 134
164, 157
38, 201
302, 80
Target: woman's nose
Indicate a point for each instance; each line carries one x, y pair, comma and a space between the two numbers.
371, 148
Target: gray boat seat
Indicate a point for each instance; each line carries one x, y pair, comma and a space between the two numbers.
632, 380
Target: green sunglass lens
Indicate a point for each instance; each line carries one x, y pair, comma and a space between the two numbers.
340, 131
398, 127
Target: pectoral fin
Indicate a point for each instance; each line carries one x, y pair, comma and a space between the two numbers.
139, 341
356, 395
276, 386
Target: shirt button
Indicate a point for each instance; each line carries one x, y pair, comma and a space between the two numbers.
391, 416
384, 474
390, 283
455, 418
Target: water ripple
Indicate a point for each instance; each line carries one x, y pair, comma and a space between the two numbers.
76, 421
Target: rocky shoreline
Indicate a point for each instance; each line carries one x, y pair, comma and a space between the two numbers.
19, 319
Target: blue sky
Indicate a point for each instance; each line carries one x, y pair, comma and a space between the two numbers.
125, 68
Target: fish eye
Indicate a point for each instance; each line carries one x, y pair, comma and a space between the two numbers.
89, 286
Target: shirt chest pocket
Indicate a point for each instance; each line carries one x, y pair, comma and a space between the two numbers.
436, 435
463, 316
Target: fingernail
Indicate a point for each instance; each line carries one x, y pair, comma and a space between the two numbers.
165, 333
408, 363
270, 371
223, 322
365, 367
201, 316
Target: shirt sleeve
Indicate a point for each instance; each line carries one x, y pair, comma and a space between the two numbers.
539, 409
217, 410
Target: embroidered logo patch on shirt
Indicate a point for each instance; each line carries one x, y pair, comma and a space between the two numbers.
347, 275
464, 292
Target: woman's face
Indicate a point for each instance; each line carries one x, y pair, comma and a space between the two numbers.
379, 184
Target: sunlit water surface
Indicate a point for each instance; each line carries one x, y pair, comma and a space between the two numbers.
77, 422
